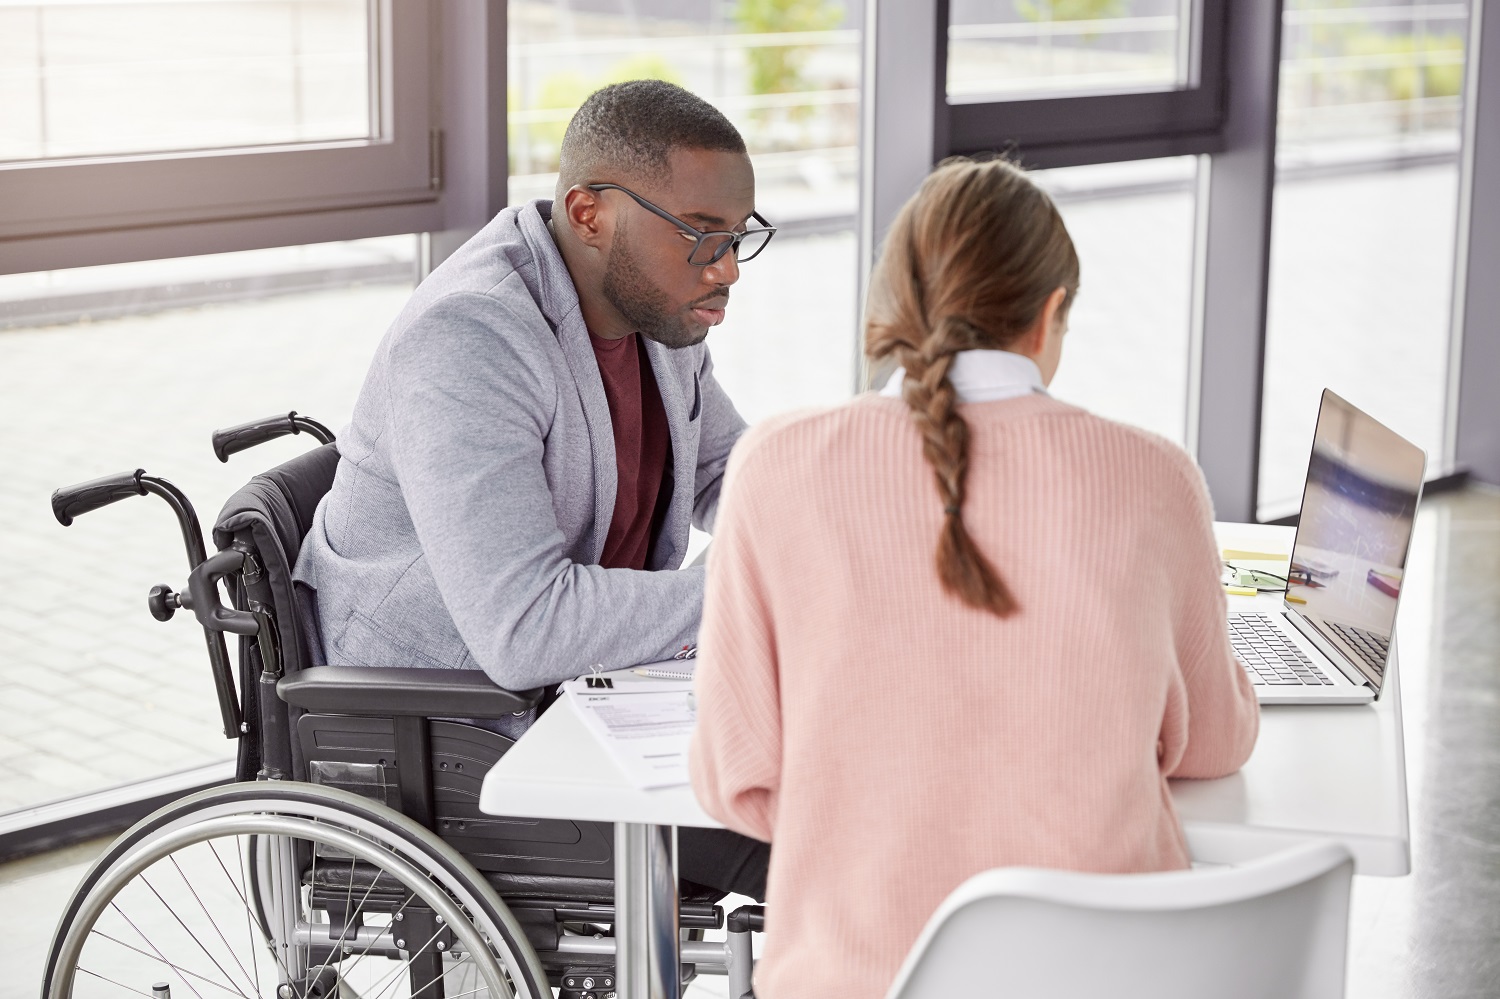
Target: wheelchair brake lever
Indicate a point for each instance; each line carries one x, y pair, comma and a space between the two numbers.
203, 595
163, 602
202, 598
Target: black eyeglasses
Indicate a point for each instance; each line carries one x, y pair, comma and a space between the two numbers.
708, 247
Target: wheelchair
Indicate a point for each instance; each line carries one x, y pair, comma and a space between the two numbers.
349, 857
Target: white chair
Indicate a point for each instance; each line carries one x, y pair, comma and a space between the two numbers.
1276, 928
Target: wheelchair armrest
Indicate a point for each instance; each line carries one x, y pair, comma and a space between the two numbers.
402, 690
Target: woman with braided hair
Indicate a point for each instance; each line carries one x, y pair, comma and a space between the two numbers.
957, 624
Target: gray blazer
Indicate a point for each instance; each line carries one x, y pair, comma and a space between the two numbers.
477, 482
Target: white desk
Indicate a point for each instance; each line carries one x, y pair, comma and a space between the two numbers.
559, 770
1336, 772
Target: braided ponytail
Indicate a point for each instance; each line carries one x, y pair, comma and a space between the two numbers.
962, 567
968, 264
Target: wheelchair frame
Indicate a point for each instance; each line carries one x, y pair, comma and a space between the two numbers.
282, 826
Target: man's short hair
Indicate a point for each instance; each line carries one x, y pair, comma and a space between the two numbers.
627, 131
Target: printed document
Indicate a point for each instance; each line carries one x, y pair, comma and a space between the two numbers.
644, 724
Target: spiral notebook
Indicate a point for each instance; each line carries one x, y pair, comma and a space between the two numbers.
672, 669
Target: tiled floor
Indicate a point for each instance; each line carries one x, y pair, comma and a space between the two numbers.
1435, 933
92, 691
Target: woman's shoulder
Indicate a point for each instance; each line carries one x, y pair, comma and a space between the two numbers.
814, 440
1053, 417
818, 441
1172, 472
1134, 439
1077, 435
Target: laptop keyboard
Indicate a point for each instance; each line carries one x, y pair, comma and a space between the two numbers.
1269, 657
1372, 648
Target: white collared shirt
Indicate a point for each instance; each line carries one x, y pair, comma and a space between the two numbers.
983, 376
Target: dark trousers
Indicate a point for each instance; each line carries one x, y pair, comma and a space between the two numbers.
723, 860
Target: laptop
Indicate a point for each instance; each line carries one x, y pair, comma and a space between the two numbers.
1331, 641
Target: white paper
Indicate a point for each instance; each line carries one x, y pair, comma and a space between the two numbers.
645, 726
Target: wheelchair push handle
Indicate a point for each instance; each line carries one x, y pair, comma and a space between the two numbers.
232, 440
71, 501
203, 595
76, 500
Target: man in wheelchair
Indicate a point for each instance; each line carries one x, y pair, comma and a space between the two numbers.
538, 430
541, 424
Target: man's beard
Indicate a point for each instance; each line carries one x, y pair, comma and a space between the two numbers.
642, 303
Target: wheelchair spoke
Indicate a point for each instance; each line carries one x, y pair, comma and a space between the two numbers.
394, 977
240, 849
471, 992
116, 984
349, 921
206, 953
285, 971
394, 920
348, 896
153, 946
120, 939
441, 975
391, 977
182, 972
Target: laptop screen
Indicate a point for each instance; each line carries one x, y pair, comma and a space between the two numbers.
1358, 507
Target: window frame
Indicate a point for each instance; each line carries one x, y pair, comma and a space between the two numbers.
1075, 130
910, 126
56, 213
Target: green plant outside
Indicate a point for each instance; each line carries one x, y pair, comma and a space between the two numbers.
778, 69
1069, 10
1407, 66
565, 92
1409, 80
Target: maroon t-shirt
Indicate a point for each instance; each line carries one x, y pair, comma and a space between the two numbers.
642, 443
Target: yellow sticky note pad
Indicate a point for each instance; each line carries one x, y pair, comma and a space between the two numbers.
1295, 600
1241, 591
1240, 555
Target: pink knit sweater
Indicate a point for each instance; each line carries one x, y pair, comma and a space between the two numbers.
890, 741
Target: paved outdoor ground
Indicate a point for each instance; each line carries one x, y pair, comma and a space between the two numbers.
94, 692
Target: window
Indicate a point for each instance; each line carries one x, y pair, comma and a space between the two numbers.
93, 692
1106, 101
131, 116
1126, 355
87, 79
1057, 79
1363, 232
1030, 48
787, 74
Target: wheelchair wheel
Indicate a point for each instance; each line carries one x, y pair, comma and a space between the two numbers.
291, 891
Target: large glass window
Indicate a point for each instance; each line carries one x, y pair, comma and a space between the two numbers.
129, 366
1126, 354
1110, 91
1363, 232
122, 115
1006, 49
787, 74
89, 79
